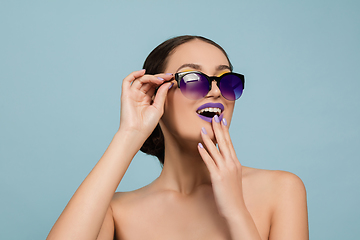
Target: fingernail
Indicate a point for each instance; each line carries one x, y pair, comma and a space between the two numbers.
168, 74
224, 121
203, 130
172, 84
200, 145
160, 78
216, 118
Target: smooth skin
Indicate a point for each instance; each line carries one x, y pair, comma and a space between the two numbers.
203, 191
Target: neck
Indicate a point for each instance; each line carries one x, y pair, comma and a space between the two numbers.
184, 170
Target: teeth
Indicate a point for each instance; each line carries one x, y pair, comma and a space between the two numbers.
215, 110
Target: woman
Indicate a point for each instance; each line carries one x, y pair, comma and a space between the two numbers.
203, 191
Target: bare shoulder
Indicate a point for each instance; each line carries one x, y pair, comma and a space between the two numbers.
139, 200
278, 187
127, 199
276, 180
286, 202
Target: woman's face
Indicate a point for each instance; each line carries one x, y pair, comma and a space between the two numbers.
181, 118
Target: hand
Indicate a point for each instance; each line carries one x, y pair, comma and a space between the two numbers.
140, 110
225, 169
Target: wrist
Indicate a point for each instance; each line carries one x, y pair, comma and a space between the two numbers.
132, 136
127, 131
242, 225
240, 212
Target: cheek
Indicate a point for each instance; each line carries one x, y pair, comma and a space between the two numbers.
229, 113
177, 111
180, 118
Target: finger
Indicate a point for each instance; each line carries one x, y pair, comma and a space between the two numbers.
160, 96
220, 139
153, 90
146, 87
209, 162
156, 80
212, 149
230, 144
131, 77
228, 138
146, 79
163, 76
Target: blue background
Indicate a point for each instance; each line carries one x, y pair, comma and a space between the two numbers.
61, 68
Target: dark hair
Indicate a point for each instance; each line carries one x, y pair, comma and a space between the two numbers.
156, 63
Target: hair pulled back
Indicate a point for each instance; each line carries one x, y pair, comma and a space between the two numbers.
156, 63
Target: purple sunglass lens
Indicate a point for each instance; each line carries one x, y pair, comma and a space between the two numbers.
231, 87
194, 86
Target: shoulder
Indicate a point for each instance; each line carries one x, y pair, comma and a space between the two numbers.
126, 205
277, 180
136, 207
288, 185
280, 188
128, 198
285, 196
137, 200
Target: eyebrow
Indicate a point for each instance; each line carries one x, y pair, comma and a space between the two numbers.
198, 67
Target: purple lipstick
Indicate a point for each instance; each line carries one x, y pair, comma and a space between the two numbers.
208, 110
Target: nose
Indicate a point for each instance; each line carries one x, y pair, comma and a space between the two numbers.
214, 91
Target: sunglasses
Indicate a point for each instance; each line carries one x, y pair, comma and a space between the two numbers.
196, 85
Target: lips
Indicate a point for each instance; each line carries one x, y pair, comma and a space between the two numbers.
215, 108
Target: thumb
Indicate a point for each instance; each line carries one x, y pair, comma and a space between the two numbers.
160, 96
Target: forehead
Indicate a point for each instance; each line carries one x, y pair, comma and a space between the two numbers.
208, 56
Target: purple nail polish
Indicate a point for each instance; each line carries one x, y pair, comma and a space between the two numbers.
216, 118
168, 74
172, 84
224, 121
200, 145
160, 78
203, 130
